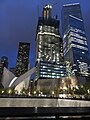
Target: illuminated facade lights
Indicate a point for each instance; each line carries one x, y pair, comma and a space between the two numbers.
49, 47
22, 58
4, 61
74, 39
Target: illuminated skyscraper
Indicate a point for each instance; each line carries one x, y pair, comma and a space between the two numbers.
49, 47
74, 39
22, 58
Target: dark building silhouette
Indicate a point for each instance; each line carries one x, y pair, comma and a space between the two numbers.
74, 39
3, 63
49, 47
22, 58
1, 73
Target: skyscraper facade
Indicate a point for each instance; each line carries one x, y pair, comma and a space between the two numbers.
49, 47
3, 63
22, 58
74, 39
1, 73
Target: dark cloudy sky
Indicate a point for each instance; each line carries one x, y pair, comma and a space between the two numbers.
18, 22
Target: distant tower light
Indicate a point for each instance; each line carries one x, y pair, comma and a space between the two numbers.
47, 11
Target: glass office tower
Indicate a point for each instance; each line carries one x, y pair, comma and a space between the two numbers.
49, 47
74, 39
22, 58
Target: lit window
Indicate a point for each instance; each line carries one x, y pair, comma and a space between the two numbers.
40, 27
53, 76
80, 47
61, 66
53, 73
56, 68
58, 77
83, 52
62, 74
80, 41
40, 46
74, 64
44, 66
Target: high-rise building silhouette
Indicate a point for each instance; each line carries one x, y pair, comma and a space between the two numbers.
49, 47
3, 63
22, 58
1, 73
74, 39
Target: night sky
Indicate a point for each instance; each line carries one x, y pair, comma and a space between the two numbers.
18, 22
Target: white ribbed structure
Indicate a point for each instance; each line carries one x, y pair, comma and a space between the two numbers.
10, 80
7, 77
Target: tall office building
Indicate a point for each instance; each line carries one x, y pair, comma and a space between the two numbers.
49, 47
74, 39
3, 63
1, 73
22, 58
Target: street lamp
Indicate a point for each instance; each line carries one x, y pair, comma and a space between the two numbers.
29, 94
34, 92
88, 91
2, 91
41, 93
53, 93
9, 91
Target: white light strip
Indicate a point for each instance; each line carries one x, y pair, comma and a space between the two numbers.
12, 81
47, 33
75, 17
72, 4
79, 47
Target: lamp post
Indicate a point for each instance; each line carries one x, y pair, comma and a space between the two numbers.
52, 93
34, 93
